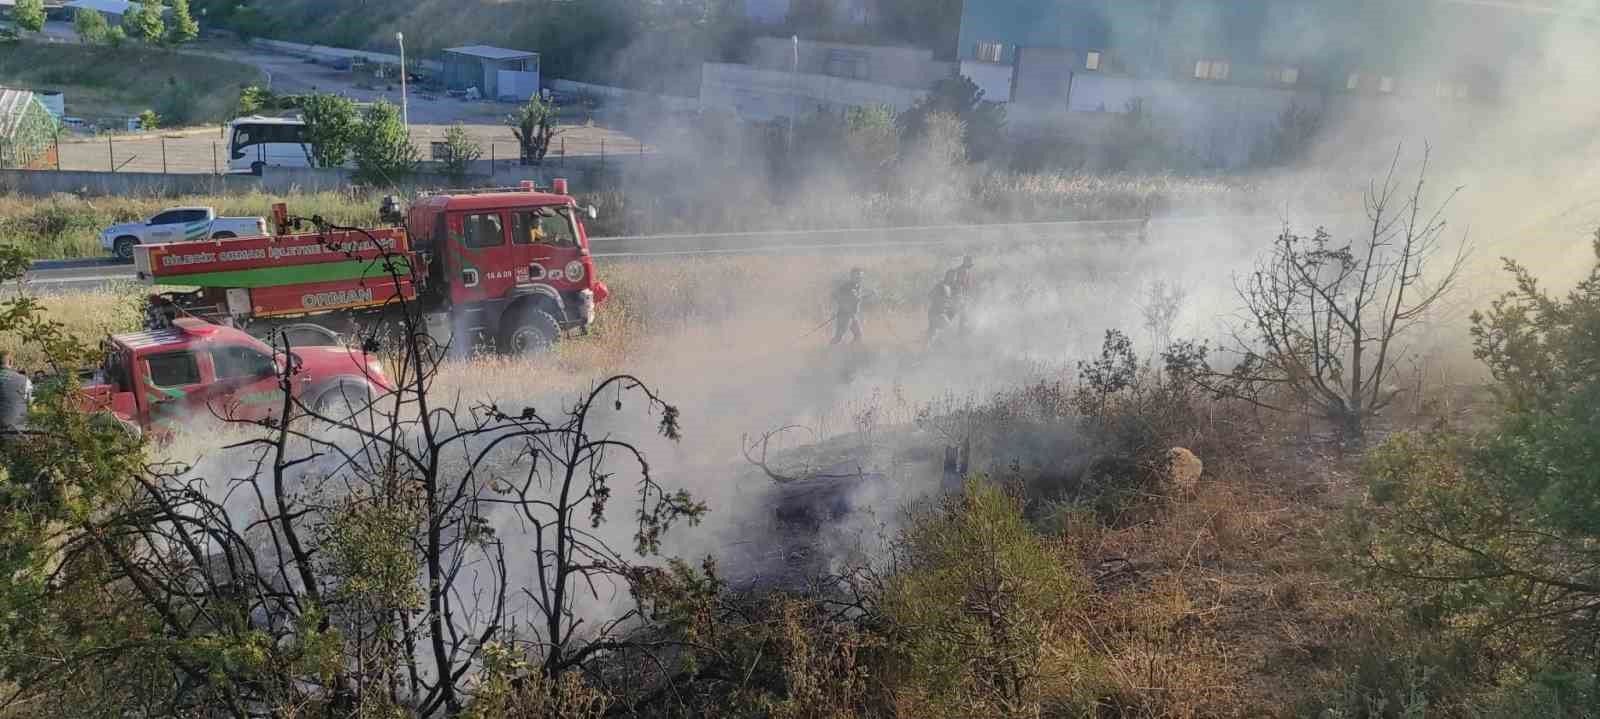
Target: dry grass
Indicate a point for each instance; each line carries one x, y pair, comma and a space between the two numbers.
1233, 604
102, 82
69, 226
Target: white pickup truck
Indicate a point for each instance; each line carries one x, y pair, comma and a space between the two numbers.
178, 224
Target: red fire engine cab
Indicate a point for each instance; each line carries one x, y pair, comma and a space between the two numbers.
506, 267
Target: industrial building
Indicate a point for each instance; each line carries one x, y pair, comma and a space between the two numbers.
27, 131
1220, 74
497, 73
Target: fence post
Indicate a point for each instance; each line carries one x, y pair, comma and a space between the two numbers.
57, 142
215, 170
491, 159
602, 152
163, 154
111, 154
563, 152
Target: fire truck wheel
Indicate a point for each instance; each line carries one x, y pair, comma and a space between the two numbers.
531, 332
123, 248
223, 235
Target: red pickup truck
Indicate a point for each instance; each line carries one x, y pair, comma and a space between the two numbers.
160, 380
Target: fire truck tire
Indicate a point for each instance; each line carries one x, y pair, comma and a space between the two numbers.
306, 334
223, 235
123, 247
531, 331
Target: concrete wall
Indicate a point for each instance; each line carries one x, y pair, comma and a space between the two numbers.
756, 94
1221, 123
625, 96
907, 67
584, 173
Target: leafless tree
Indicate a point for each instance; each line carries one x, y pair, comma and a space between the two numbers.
356, 561
1325, 323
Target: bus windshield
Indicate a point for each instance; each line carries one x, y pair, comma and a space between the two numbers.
247, 135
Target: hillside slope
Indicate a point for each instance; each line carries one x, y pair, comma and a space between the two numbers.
661, 46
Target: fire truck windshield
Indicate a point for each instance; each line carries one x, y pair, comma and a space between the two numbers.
543, 226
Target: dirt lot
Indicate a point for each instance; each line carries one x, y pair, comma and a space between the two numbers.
205, 150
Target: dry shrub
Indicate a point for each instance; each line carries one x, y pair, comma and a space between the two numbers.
89, 315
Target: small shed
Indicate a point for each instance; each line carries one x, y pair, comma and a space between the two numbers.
27, 131
497, 72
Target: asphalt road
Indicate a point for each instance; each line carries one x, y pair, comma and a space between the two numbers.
78, 275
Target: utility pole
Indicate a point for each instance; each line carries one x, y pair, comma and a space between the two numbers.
405, 107
794, 96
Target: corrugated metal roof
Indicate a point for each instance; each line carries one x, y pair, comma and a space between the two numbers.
108, 7
13, 107
491, 53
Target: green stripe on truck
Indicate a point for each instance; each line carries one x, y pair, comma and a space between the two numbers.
288, 275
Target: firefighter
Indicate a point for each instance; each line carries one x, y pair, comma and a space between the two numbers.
847, 299
943, 307
16, 393
961, 287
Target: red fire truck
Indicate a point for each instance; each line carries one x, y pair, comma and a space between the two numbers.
508, 268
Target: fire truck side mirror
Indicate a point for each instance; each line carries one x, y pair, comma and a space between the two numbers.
592, 211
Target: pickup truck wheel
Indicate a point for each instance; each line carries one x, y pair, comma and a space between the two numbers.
123, 248
532, 332
345, 401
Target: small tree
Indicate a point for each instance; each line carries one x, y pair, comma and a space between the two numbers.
332, 125
28, 15
1498, 533
184, 28
1326, 322
116, 37
535, 127
91, 27
149, 120
872, 139
383, 151
253, 99
957, 95
460, 152
147, 23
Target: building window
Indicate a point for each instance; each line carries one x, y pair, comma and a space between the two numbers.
1353, 82
1286, 75
1212, 70
990, 51
1091, 61
1386, 85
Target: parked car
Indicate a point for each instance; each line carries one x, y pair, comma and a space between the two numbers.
178, 224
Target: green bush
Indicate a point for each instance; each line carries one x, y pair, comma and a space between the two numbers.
981, 614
